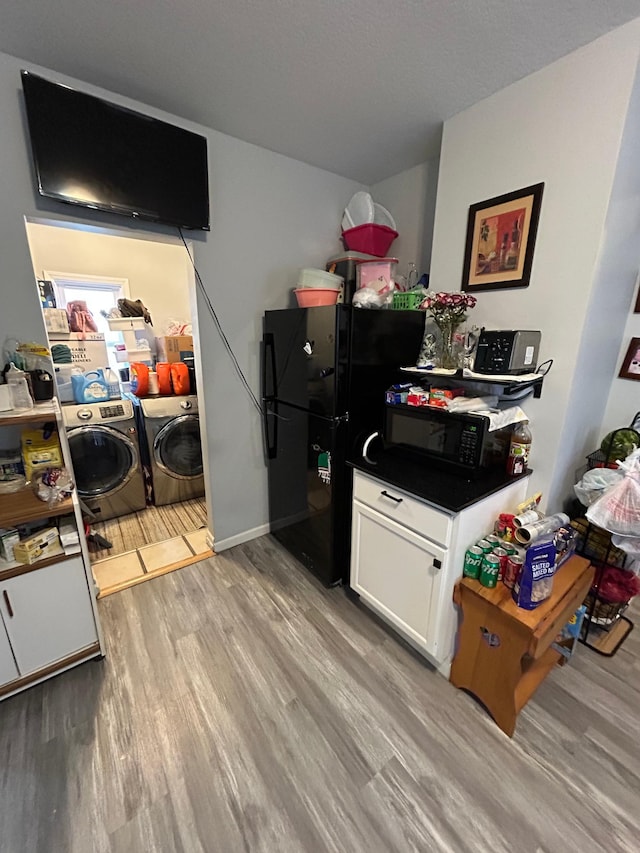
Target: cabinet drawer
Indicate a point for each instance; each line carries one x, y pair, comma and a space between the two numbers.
403, 508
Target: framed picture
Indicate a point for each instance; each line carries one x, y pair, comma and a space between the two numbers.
501, 235
631, 365
636, 308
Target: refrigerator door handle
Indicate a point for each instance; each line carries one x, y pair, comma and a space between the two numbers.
269, 360
271, 447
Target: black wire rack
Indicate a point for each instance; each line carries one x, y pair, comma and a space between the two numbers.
605, 627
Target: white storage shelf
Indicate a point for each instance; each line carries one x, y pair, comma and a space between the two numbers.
48, 614
129, 355
125, 324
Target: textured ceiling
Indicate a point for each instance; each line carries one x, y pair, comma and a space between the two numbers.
358, 87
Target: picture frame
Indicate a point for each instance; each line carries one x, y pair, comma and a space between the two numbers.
636, 307
631, 365
501, 237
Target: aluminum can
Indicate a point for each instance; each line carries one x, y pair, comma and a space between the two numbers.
509, 547
489, 570
473, 562
512, 570
503, 556
495, 540
486, 546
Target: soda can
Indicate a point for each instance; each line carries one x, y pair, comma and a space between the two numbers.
502, 555
509, 547
495, 540
486, 547
489, 570
512, 570
473, 562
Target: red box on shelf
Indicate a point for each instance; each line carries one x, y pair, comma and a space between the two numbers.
370, 238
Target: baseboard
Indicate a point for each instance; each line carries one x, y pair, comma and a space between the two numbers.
240, 538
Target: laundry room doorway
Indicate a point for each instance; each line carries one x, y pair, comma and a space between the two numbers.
119, 309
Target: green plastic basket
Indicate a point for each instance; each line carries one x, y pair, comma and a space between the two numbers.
406, 301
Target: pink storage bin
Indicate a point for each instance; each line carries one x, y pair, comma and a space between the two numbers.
370, 238
378, 275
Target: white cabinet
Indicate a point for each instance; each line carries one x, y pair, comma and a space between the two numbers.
8, 668
407, 554
397, 571
47, 614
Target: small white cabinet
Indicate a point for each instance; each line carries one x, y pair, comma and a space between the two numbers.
397, 571
406, 555
47, 614
8, 668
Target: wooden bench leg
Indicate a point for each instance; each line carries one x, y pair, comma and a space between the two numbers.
488, 662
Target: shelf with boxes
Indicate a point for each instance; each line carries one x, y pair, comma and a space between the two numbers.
48, 613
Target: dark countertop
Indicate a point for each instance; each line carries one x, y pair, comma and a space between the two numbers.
437, 486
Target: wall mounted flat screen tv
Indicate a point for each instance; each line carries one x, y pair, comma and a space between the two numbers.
96, 154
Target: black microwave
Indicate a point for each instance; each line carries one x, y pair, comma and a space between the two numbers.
459, 441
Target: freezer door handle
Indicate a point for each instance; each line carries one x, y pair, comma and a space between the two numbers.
269, 361
327, 371
270, 434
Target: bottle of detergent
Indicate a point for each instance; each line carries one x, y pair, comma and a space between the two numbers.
139, 375
90, 387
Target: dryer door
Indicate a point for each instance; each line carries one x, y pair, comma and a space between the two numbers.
177, 450
104, 460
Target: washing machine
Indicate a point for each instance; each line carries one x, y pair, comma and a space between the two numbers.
105, 452
172, 428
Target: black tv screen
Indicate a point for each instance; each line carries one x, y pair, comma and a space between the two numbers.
96, 154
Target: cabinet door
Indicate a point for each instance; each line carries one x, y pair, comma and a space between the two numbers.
47, 614
397, 572
8, 669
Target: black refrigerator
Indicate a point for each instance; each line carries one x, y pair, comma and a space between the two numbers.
324, 374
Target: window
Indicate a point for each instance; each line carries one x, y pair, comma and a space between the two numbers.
100, 294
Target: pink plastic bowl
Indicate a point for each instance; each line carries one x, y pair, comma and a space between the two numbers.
370, 238
310, 297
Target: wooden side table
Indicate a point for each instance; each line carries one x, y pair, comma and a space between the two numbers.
504, 652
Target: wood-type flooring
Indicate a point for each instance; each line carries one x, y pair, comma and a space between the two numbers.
148, 526
242, 707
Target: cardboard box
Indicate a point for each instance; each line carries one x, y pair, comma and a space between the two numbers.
174, 347
88, 351
37, 547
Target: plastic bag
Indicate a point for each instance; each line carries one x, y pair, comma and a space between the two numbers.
618, 510
177, 327
53, 485
367, 297
595, 482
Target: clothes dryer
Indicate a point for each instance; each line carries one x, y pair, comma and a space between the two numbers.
172, 429
105, 453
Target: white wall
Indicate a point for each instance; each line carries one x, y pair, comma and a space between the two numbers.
624, 396
158, 272
270, 216
563, 126
607, 329
410, 197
